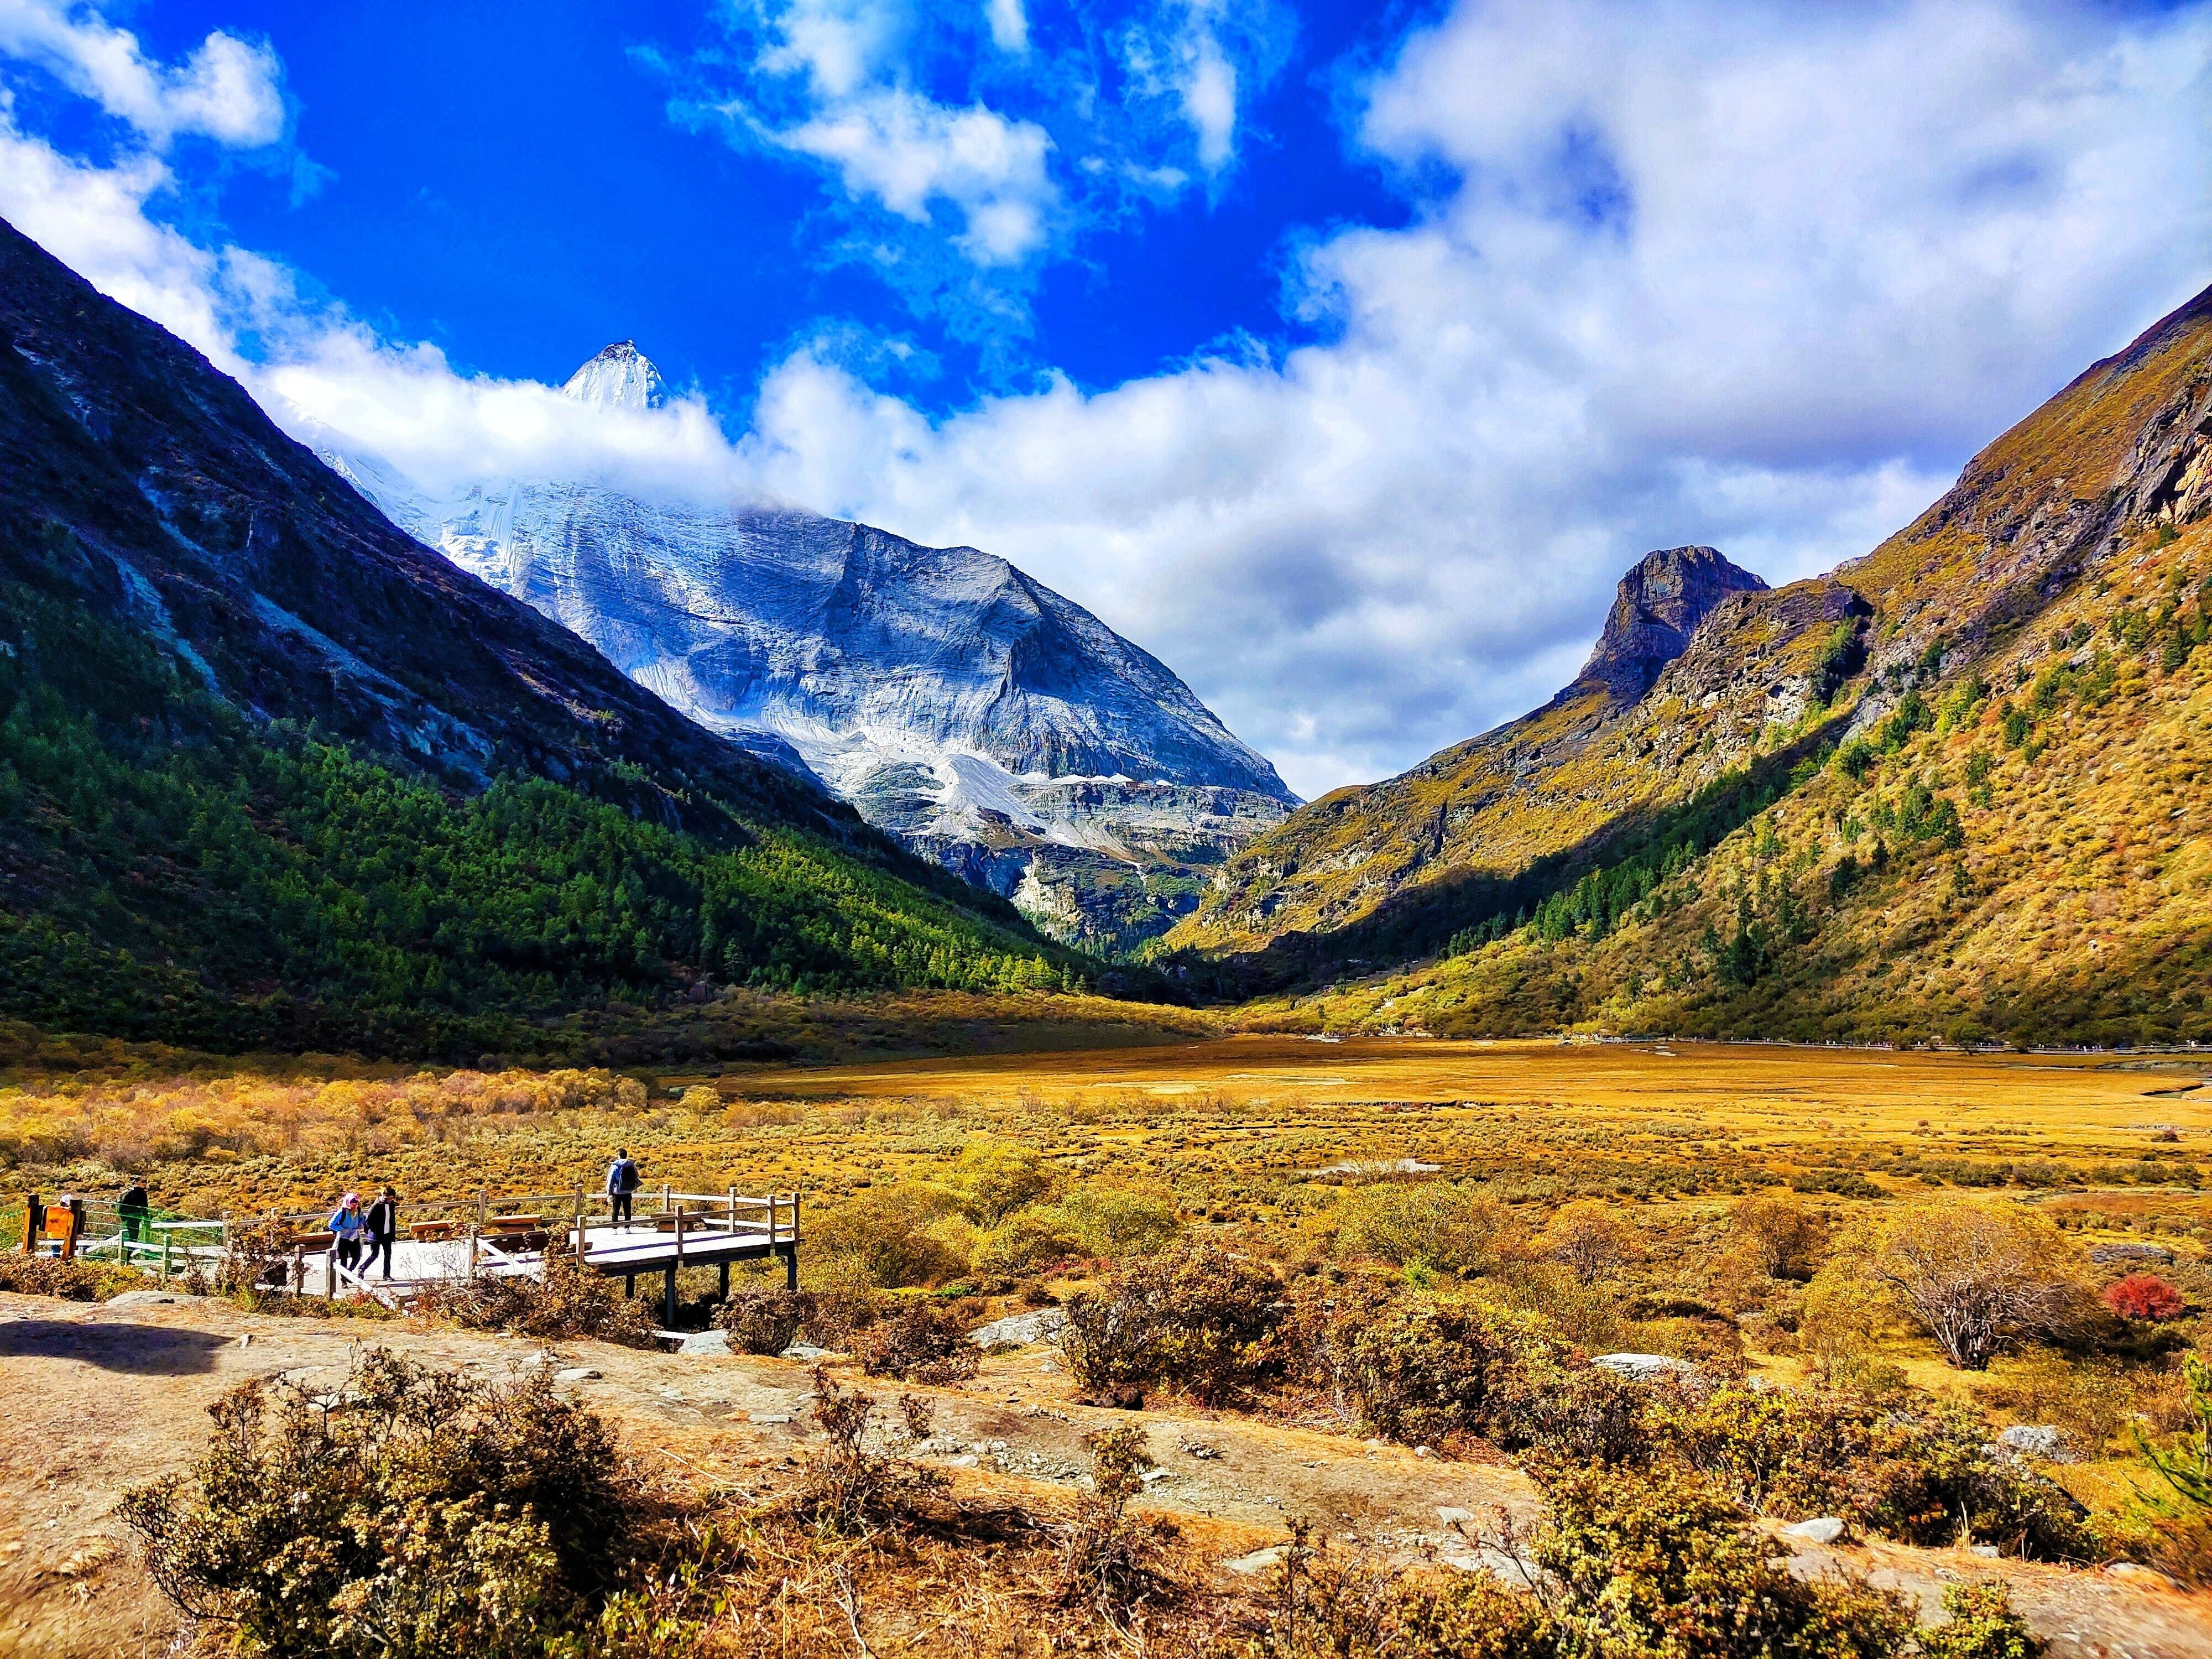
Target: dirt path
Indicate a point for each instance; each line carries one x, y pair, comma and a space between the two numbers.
99, 1399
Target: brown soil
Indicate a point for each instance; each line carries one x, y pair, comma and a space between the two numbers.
103, 1398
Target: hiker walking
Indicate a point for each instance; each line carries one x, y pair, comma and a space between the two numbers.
623, 1179
383, 1229
132, 1209
348, 1226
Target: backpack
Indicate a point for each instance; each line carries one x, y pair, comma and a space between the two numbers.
627, 1179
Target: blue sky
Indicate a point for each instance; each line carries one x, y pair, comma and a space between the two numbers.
523, 180
1342, 357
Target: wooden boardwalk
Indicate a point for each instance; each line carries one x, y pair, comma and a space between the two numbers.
494, 1235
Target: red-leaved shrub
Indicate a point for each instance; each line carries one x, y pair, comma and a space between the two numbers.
2143, 1296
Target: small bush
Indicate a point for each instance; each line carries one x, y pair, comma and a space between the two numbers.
72, 1281
1920, 1470
894, 1237
1981, 1625
1980, 1278
2143, 1296
1424, 1371
1025, 1243
569, 1302
1197, 1315
1587, 1238
1329, 1606
1779, 1234
427, 1515
1107, 1560
1657, 1561
995, 1177
1113, 1222
763, 1321
921, 1342
1427, 1223
850, 1487
256, 1258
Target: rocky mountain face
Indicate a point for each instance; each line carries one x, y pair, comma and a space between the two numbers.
1377, 872
133, 469
1656, 608
273, 773
960, 704
1956, 791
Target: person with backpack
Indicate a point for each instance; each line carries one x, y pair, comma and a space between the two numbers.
348, 1227
133, 1209
383, 1230
623, 1179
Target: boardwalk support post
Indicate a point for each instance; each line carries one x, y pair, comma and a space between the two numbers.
668, 1297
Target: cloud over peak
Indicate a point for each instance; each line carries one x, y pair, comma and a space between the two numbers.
1741, 273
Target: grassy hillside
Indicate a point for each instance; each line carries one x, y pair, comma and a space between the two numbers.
2003, 839
176, 872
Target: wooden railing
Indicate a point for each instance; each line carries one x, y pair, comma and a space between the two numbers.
492, 1225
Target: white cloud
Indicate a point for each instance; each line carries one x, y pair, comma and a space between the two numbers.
1009, 24
1717, 273
1178, 53
909, 152
838, 45
844, 65
1209, 97
1736, 273
226, 90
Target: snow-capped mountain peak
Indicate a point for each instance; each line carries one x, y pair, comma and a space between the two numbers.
619, 377
964, 707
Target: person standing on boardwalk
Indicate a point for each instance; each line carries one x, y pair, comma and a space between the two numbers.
348, 1227
383, 1229
623, 1179
132, 1209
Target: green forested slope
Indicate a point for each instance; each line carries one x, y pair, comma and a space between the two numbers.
176, 872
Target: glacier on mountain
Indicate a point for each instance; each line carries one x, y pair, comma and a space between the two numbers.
963, 707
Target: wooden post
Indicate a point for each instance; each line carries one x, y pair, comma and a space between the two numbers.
299, 1269
76, 1227
167, 1237
733, 1217
663, 1198
629, 1285
35, 1224
725, 1278
668, 1298
583, 1248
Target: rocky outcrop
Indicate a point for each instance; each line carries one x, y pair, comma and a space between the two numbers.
1657, 606
1699, 662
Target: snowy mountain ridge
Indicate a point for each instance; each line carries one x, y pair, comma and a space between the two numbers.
987, 720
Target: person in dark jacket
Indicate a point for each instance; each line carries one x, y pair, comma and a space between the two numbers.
131, 1209
623, 1179
383, 1229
